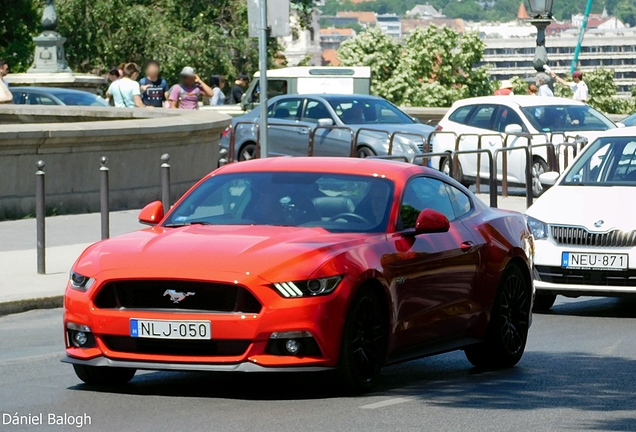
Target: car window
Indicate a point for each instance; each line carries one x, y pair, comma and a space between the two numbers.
482, 117
566, 118
462, 205
18, 97
314, 111
334, 202
606, 162
507, 116
424, 193
81, 99
460, 115
287, 109
37, 99
368, 111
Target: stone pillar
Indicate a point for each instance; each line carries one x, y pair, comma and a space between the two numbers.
49, 45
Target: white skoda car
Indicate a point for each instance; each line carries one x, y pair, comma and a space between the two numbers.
585, 224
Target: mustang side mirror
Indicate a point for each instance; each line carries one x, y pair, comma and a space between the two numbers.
431, 221
549, 178
151, 214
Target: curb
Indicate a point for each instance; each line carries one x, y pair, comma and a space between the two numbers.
17, 306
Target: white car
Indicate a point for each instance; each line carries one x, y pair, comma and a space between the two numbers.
585, 225
498, 116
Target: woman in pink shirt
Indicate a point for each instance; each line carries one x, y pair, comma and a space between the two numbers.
185, 95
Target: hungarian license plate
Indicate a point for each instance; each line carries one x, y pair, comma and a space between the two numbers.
162, 329
594, 261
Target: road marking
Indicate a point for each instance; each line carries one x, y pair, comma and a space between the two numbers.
388, 402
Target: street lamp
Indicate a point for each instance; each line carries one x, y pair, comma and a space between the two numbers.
541, 17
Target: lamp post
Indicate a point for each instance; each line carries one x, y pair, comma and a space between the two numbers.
541, 17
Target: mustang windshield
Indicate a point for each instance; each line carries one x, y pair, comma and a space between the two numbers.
606, 162
567, 118
342, 203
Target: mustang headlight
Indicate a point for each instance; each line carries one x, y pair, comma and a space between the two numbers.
80, 282
538, 228
308, 288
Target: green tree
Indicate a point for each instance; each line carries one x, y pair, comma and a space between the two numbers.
468, 10
19, 21
626, 11
434, 67
602, 88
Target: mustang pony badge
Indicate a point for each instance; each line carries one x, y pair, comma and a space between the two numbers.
599, 223
176, 296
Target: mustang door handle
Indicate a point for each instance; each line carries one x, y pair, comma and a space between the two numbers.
467, 246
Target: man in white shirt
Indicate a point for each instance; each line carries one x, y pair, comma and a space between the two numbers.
579, 88
542, 81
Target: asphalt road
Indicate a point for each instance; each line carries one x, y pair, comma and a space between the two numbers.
578, 373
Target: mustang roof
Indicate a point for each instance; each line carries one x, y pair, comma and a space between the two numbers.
332, 165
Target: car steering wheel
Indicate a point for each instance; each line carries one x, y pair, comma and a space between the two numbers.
348, 217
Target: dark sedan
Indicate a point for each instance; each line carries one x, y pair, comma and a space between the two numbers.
55, 96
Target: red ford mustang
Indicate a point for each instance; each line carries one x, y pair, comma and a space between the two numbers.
304, 264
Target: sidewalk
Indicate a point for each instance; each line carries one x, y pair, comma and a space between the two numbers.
21, 288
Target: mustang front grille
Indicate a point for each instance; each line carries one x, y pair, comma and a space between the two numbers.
176, 295
218, 348
559, 275
578, 236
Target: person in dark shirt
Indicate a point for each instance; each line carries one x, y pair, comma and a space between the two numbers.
238, 88
153, 88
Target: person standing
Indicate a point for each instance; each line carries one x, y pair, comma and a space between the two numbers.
532, 90
5, 94
125, 91
542, 82
579, 88
217, 82
154, 89
238, 89
185, 95
505, 89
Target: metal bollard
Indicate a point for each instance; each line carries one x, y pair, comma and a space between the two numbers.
40, 214
165, 182
104, 197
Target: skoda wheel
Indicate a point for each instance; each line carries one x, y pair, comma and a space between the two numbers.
363, 343
508, 327
543, 302
102, 375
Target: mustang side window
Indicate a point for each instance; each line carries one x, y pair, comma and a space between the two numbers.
424, 193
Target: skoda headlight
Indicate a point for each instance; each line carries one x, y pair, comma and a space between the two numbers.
308, 288
80, 282
539, 229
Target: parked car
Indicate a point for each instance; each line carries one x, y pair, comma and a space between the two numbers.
55, 96
293, 117
584, 225
556, 118
304, 264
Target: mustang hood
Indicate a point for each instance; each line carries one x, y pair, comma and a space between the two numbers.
215, 253
586, 205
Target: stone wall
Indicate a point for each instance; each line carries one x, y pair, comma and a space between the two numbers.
132, 139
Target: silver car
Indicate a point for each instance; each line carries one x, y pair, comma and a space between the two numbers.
337, 119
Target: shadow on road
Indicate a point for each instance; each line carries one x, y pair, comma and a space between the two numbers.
601, 307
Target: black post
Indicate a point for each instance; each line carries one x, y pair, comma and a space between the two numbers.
529, 178
40, 214
165, 182
104, 197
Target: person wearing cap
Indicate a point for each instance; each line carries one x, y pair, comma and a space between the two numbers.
185, 95
505, 89
578, 86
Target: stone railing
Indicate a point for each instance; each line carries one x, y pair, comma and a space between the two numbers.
71, 141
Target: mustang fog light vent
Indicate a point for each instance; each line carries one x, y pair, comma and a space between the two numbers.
292, 346
80, 336
311, 287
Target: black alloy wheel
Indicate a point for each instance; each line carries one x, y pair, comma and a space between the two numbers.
507, 332
363, 343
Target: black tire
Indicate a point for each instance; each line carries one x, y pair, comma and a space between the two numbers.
444, 166
507, 331
543, 302
101, 375
363, 344
365, 152
248, 152
539, 166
